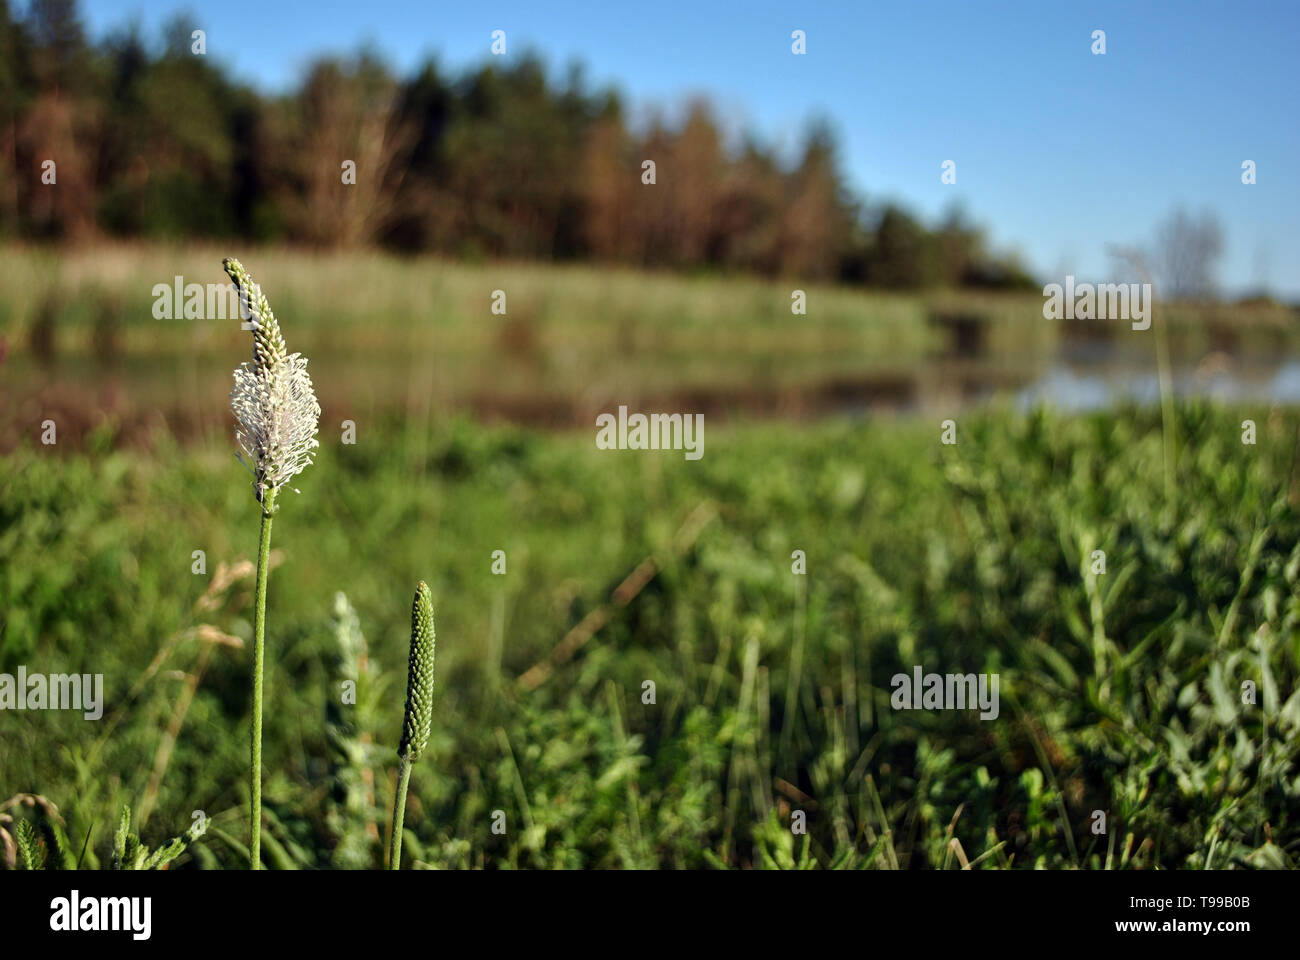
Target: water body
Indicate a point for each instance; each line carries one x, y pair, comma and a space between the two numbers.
1080, 388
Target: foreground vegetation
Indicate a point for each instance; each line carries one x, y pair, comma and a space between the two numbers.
1120, 692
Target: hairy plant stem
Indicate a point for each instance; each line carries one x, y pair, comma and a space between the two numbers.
259, 642
399, 814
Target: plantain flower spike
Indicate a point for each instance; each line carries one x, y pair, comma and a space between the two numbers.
276, 413
419, 678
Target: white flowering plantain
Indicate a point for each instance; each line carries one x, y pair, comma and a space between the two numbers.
276, 416
276, 413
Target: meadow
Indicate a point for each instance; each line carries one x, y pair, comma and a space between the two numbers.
1121, 691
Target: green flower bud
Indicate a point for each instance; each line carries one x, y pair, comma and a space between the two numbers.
419, 678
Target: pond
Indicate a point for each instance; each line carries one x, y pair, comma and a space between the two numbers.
1090, 386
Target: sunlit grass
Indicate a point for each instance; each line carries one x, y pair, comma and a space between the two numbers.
965, 558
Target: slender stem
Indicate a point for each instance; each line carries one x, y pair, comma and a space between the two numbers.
399, 814
1168, 425
259, 642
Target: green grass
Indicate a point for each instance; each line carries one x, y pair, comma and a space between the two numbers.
1119, 692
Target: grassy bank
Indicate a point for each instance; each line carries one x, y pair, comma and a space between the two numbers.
1120, 692
80, 344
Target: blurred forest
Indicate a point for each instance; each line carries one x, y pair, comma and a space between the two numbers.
500, 161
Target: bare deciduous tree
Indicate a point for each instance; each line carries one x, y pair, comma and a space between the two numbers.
1186, 256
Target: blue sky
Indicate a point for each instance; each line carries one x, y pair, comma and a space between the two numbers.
1059, 152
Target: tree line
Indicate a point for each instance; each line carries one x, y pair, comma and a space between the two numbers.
502, 160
